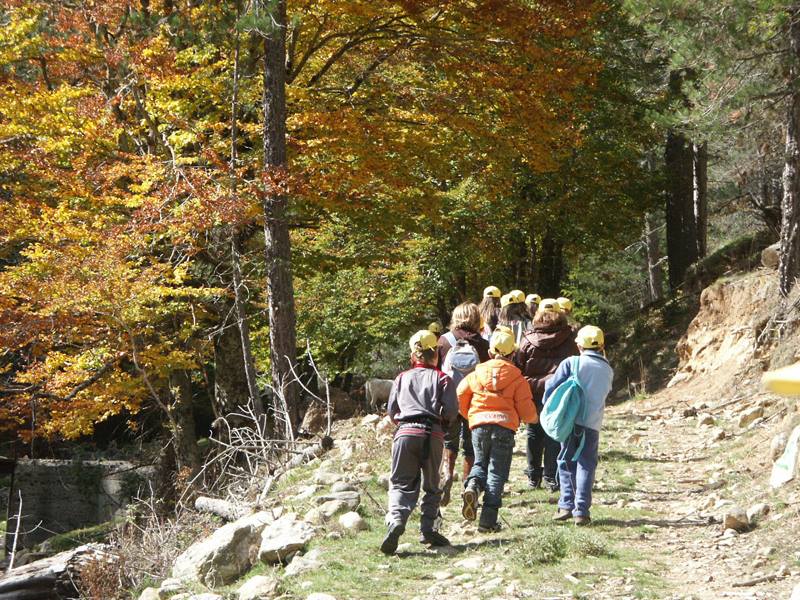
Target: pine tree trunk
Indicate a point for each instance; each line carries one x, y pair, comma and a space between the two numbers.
679, 172
282, 320
700, 155
655, 275
790, 206
681, 230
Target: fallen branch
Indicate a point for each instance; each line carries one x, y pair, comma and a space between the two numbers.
756, 581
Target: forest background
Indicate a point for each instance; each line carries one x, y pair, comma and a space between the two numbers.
197, 197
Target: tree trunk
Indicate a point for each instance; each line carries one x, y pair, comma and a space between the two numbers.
700, 162
790, 206
282, 320
187, 453
681, 230
681, 223
240, 303
230, 380
551, 267
655, 275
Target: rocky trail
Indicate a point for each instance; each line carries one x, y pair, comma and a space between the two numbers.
683, 508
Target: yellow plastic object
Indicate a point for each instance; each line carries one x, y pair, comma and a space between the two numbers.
502, 343
491, 292
784, 381
423, 340
550, 305
590, 337
564, 303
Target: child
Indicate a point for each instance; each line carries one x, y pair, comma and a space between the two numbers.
494, 397
595, 376
543, 348
422, 403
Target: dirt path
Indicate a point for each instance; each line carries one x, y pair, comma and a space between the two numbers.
663, 482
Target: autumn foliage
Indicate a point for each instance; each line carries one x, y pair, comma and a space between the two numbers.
115, 176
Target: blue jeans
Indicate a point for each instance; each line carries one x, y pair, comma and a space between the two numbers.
494, 446
577, 477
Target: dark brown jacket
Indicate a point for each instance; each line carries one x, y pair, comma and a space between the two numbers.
473, 339
541, 351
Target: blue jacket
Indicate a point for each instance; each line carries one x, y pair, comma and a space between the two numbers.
596, 376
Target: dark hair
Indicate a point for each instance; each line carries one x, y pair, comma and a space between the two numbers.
547, 319
489, 311
513, 313
429, 357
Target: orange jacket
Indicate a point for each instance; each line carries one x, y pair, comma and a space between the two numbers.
496, 392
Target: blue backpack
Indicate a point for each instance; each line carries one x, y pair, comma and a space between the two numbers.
563, 407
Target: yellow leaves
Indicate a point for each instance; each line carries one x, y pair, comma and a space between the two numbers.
19, 39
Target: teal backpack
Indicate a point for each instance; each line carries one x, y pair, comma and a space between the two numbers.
562, 409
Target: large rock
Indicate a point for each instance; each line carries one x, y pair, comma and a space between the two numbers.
771, 256
226, 554
747, 417
284, 537
259, 587
301, 564
352, 521
343, 486
169, 587
320, 596
735, 518
315, 419
325, 477
149, 594
350, 498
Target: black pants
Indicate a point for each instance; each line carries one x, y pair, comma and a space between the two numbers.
459, 430
540, 443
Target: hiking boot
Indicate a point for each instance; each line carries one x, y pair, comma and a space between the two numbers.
389, 544
551, 484
582, 521
433, 538
489, 528
469, 508
534, 482
562, 515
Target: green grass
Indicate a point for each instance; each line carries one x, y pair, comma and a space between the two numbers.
78, 537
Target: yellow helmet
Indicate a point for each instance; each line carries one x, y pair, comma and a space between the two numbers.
564, 303
505, 300
518, 296
590, 337
784, 381
423, 340
491, 292
504, 328
550, 305
533, 299
435, 327
502, 343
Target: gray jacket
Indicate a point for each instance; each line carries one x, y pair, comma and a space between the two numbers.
423, 394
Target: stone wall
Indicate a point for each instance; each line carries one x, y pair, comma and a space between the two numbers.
62, 495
